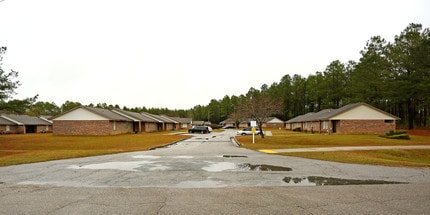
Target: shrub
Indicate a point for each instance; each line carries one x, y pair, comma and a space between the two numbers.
400, 135
297, 129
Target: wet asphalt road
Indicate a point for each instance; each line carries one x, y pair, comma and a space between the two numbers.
207, 174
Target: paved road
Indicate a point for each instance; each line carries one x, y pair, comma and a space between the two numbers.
207, 174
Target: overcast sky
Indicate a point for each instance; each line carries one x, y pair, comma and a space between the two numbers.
181, 53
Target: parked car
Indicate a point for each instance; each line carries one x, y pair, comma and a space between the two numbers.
200, 129
248, 131
228, 127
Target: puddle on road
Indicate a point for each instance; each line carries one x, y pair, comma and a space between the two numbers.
235, 156
262, 167
324, 181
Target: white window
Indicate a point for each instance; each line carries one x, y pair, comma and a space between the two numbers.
114, 125
325, 125
7, 127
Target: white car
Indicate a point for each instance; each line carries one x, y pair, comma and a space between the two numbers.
248, 131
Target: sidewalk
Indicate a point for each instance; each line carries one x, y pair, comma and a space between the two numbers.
348, 148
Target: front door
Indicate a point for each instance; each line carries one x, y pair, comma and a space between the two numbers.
333, 125
29, 129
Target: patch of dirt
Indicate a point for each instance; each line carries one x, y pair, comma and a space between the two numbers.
419, 132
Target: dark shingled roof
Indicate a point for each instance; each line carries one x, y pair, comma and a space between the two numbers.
135, 116
6, 122
106, 113
329, 113
182, 120
25, 120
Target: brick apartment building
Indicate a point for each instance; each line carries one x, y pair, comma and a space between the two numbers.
358, 118
85, 120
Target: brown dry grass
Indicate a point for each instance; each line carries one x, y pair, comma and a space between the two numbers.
283, 139
30, 148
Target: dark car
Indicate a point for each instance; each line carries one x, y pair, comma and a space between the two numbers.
199, 129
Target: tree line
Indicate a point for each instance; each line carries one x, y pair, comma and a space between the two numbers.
392, 76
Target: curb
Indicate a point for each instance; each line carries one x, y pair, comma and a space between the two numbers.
235, 142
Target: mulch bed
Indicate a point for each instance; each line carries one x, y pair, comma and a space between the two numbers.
419, 132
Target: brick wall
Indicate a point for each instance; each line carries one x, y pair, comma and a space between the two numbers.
44, 129
364, 126
13, 129
170, 126
91, 127
149, 127
273, 125
314, 127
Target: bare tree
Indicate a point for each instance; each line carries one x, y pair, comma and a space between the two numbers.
260, 107
237, 118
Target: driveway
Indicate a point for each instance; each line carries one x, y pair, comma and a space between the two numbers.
206, 173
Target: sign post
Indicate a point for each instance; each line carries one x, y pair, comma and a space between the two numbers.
253, 125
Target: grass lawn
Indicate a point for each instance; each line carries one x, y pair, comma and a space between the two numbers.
30, 148
283, 139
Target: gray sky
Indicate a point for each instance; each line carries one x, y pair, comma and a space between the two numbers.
181, 53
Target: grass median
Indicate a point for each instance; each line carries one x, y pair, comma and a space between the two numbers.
283, 139
30, 148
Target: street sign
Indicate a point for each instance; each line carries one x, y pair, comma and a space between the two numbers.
253, 125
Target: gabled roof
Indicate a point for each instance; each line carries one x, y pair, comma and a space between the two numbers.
24, 119
349, 107
327, 114
273, 120
324, 114
167, 119
301, 118
105, 113
4, 121
122, 115
153, 117
159, 118
134, 116
182, 120
147, 117
46, 118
